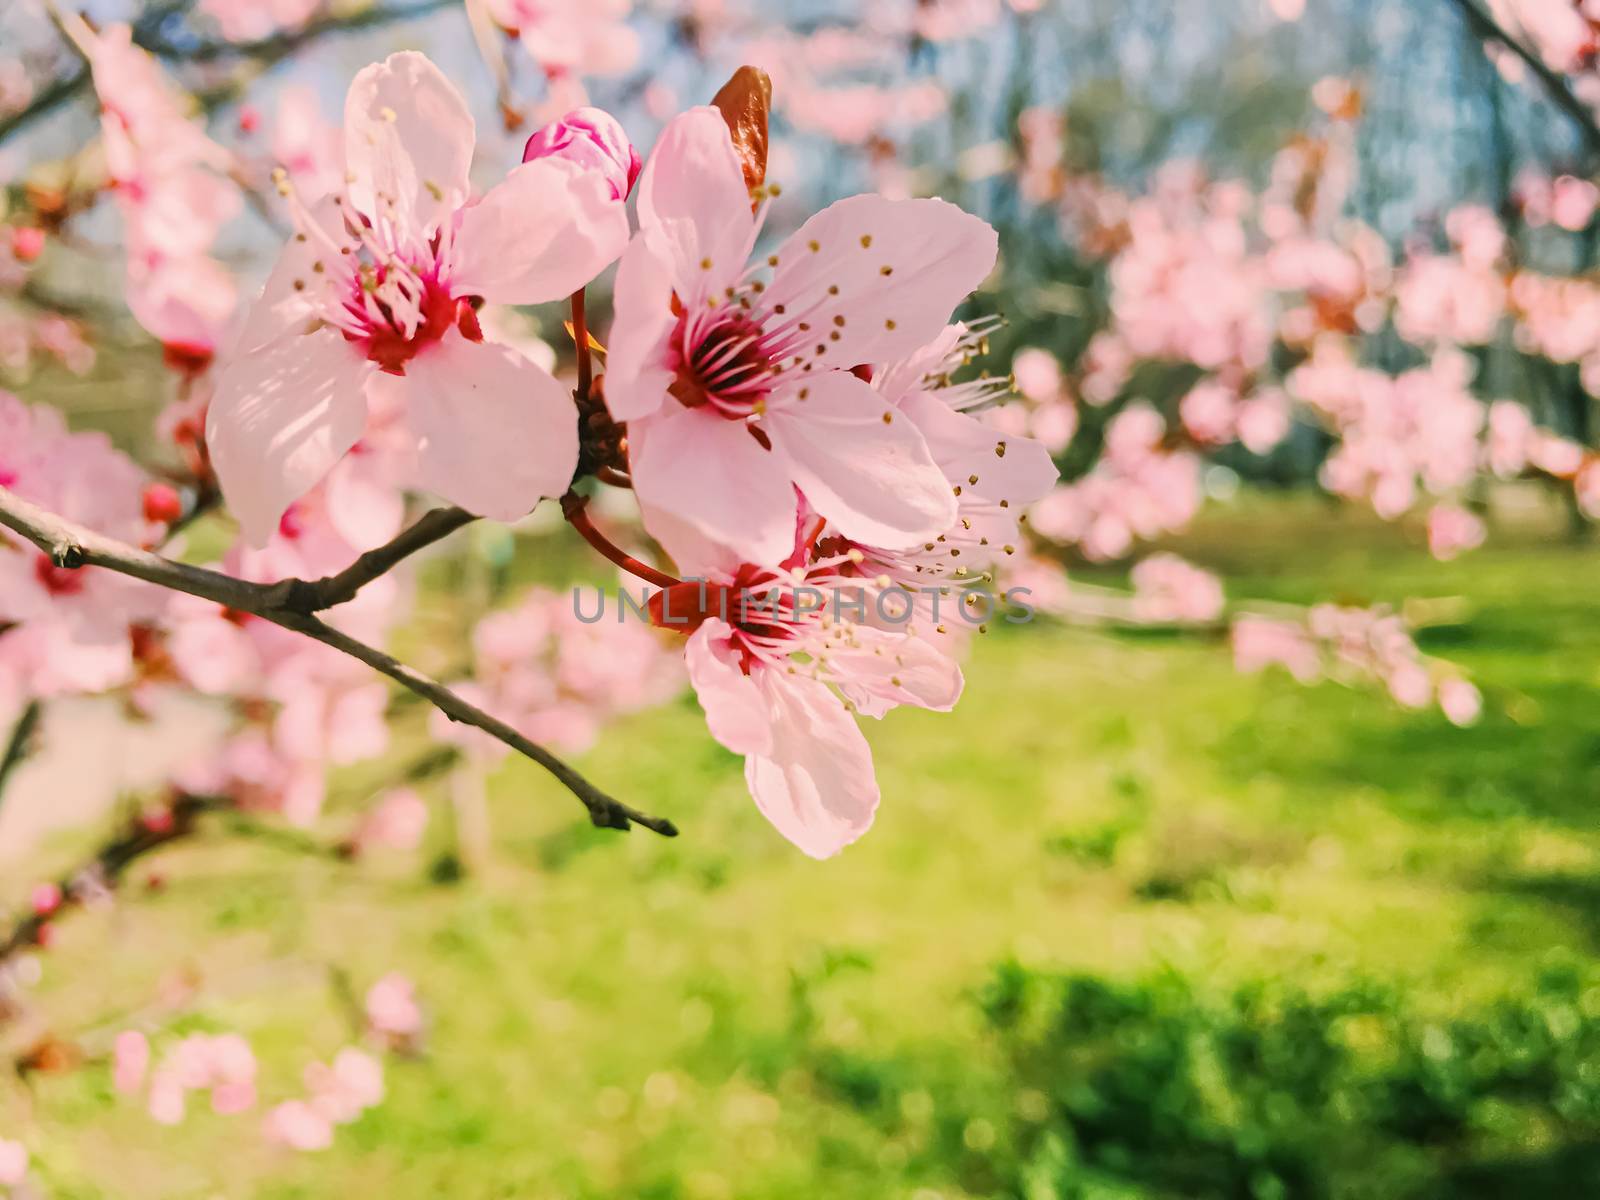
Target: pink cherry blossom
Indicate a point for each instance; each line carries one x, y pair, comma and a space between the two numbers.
222, 1064
1166, 588
994, 474
373, 302
738, 391
780, 672
1140, 489
1452, 530
1460, 701
342, 1091
396, 822
1259, 642
130, 1061
392, 1009
298, 1125
172, 189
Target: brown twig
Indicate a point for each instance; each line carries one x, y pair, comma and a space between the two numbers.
71, 546
20, 744
309, 596
107, 865
580, 335
576, 510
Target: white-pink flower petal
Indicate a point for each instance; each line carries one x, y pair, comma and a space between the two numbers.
736, 712
408, 147
860, 464
637, 374
280, 419
694, 205
816, 785
496, 433
547, 230
983, 460
899, 266
713, 474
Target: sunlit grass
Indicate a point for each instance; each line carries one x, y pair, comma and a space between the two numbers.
626, 1016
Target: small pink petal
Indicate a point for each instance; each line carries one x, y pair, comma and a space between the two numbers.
713, 474
547, 230
496, 432
280, 419
735, 709
860, 463
816, 785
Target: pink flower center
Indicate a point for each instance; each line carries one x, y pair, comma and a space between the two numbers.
384, 333
58, 581
722, 361
755, 604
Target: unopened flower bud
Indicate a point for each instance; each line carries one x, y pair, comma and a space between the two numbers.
46, 899
162, 504
591, 138
27, 243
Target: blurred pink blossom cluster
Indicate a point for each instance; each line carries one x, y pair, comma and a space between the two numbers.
1565, 34
1455, 299
1139, 489
1562, 200
1399, 436
27, 334
337, 1093
1048, 412
1354, 645
1187, 286
302, 707
394, 1016
847, 85
1166, 588
172, 186
222, 1065
396, 821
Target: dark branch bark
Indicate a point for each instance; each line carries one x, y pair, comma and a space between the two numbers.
21, 743
72, 547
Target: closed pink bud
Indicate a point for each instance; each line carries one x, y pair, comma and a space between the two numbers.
46, 899
591, 138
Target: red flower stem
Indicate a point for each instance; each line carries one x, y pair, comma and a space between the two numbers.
575, 508
580, 334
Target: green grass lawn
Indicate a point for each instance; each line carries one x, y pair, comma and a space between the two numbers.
719, 1017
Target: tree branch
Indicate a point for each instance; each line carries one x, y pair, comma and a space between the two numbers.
20, 745
267, 51
313, 595
71, 547
1485, 28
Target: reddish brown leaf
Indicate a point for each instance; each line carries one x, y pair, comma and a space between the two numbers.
744, 101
